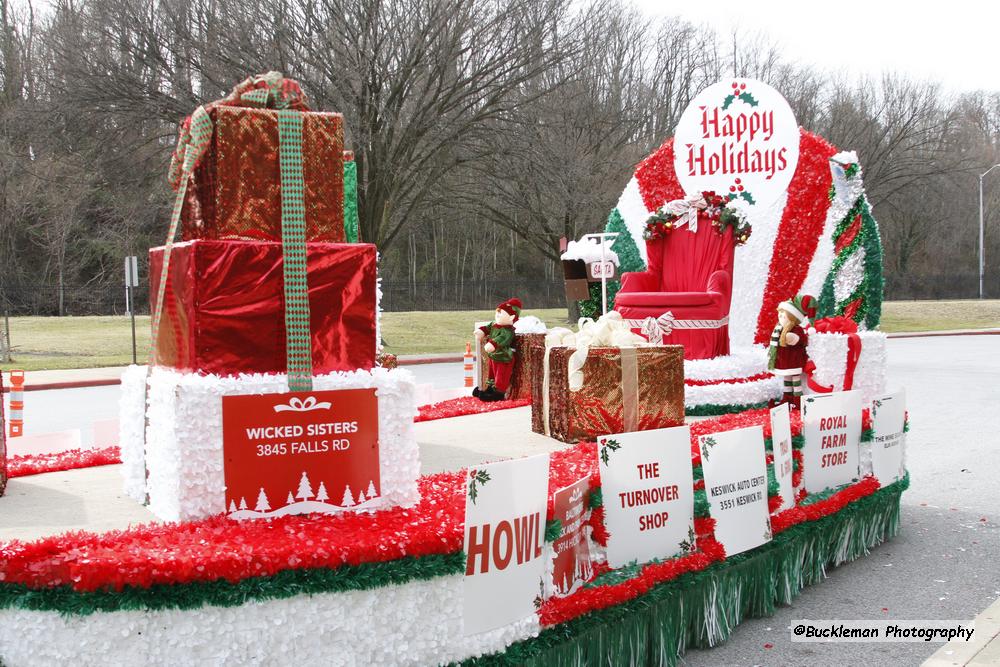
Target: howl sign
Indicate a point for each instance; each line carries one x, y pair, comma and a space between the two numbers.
648, 492
505, 508
832, 427
301, 452
738, 138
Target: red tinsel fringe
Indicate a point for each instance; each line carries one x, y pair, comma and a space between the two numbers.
708, 383
466, 405
34, 464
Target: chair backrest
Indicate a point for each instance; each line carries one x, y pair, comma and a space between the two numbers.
684, 260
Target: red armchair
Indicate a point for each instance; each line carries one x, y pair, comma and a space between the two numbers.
686, 288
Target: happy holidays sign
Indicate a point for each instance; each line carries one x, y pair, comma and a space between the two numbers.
739, 138
647, 486
300, 452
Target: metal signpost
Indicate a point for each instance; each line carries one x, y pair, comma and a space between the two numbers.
607, 269
131, 281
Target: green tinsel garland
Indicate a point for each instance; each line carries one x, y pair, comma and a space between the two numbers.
221, 593
701, 609
351, 202
870, 290
714, 410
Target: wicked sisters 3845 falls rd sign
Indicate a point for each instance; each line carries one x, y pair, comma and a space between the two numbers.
301, 452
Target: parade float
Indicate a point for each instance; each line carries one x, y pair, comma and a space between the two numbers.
284, 459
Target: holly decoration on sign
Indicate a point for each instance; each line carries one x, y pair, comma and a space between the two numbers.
768, 534
736, 191
476, 478
739, 93
707, 442
688, 545
608, 446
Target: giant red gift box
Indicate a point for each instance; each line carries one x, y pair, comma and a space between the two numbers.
225, 310
236, 189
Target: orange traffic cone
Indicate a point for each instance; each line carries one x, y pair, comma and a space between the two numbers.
468, 365
16, 404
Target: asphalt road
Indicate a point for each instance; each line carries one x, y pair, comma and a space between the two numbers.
943, 564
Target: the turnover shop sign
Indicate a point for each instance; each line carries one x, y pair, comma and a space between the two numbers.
648, 493
739, 138
301, 452
832, 427
505, 507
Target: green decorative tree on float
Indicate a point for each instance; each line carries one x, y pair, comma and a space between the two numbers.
629, 259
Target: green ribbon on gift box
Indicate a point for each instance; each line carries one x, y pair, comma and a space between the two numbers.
272, 91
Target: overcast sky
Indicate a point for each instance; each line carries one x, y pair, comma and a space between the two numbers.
956, 43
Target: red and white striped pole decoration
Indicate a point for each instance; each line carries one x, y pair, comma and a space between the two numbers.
16, 404
467, 362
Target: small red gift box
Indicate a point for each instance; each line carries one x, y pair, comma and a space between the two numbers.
225, 311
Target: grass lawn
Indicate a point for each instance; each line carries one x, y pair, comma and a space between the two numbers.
88, 342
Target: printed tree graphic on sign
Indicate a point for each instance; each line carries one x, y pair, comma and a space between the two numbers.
262, 504
232, 506
348, 500
290, 500
322, 495
361, 497
371, 492
243, 503
305, 491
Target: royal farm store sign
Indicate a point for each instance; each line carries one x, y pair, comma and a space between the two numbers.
301, 452
737, 137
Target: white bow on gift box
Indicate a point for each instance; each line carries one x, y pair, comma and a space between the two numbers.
609, 330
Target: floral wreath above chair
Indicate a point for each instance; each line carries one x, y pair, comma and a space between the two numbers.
724, 212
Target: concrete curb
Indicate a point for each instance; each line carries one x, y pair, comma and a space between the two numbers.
418, 359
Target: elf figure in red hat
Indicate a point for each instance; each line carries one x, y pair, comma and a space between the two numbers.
498, 343
787, 353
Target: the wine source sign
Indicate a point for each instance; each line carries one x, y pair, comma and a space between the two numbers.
739, 138
647, 486
300, 452
889, 439
505, 508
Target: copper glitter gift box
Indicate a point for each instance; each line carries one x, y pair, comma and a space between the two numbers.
236, 189
527, 363
624, 389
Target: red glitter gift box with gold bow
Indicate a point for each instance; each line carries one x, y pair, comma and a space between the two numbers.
624, 389
234, 191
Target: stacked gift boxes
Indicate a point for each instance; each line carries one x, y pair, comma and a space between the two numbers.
262, 295
624, 389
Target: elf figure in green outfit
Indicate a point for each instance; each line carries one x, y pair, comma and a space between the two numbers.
498, 343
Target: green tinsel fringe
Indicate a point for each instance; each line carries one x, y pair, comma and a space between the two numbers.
221, 593
714, 410
701, 609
